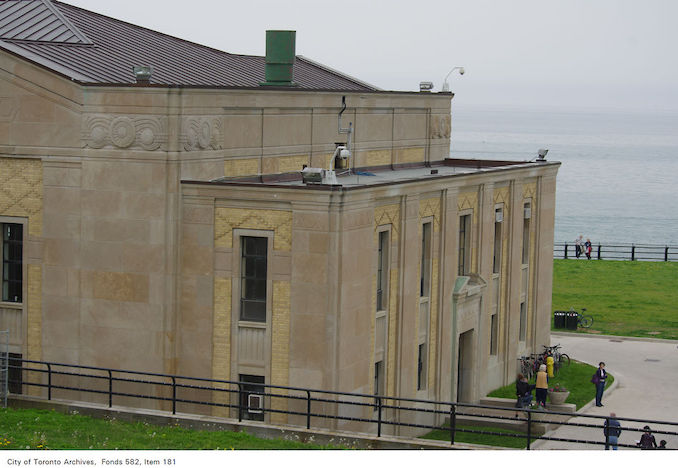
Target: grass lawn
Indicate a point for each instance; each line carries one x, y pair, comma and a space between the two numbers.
625, 298
576, 378
41, 429
483, 439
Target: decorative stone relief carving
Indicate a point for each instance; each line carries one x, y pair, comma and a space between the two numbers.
135, 132
202, 133
440, 126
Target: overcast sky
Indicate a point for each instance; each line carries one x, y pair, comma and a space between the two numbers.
597, 54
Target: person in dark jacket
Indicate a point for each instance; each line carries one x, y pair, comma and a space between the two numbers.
647, 441
599, 380
523, 391
612, 431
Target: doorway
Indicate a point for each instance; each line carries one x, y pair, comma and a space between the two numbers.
465, 367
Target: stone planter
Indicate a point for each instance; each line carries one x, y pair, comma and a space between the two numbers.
558, 398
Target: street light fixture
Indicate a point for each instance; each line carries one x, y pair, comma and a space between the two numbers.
446, 85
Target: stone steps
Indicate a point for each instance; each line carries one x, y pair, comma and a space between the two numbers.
488, 416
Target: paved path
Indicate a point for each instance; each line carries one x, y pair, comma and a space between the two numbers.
646, 374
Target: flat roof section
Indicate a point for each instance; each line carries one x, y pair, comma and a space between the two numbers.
380, 175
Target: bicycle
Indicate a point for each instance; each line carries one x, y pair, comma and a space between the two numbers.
558, 358
526, 366
584, 321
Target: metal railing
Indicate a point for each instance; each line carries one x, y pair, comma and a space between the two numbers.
373, 412
633, 252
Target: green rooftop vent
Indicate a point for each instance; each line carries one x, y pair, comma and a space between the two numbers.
280, 55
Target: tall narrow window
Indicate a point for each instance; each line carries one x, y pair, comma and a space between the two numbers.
382, 270
421, 367
253, 271
464, 244
523, 322
425, 280
496, 260
526, 233
493, 335
12, 259
379, 378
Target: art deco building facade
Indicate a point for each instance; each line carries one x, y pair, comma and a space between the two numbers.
161, 222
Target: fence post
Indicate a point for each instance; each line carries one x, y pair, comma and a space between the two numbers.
174, 395
633, 252
565, 257
379, 416
49, 381
239, 402
453, 422
529, 429
110, 388
599, 252
607, 433
666, 253
308, 409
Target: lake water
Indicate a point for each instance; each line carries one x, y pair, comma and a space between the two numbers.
619, 176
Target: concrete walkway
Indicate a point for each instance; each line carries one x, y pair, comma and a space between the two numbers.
646, 378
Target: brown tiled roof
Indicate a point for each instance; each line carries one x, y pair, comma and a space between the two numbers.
92, 48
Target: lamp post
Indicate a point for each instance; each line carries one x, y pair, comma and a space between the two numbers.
446, 85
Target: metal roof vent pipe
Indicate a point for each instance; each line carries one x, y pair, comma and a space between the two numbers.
280, 56
142, 74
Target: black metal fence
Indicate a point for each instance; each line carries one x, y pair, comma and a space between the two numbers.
642, 252
371, 413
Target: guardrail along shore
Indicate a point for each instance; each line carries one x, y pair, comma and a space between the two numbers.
619, 251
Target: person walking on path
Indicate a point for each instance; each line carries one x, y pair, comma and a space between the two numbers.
647, 441
612, 430
587, 247
578, 246
542, 386
599, 380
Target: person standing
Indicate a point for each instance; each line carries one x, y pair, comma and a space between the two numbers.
647, 441
612, 430
588, 247
599, 379
541, 386
578, 246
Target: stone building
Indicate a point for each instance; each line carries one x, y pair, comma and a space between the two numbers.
155, 218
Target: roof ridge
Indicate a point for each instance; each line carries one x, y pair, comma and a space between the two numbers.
136, 26
337, 72
32, 20
69, 25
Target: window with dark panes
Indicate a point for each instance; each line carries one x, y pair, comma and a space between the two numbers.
526, 238
421, 367
464, 244
252, 393
253, 274
493, 334
496, 259
382, 270
425, 274
12, 259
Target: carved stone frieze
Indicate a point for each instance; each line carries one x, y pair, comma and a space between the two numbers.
202, 133
124, 132
440, 126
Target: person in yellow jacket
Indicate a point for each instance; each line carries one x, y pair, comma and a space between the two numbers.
541, 386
